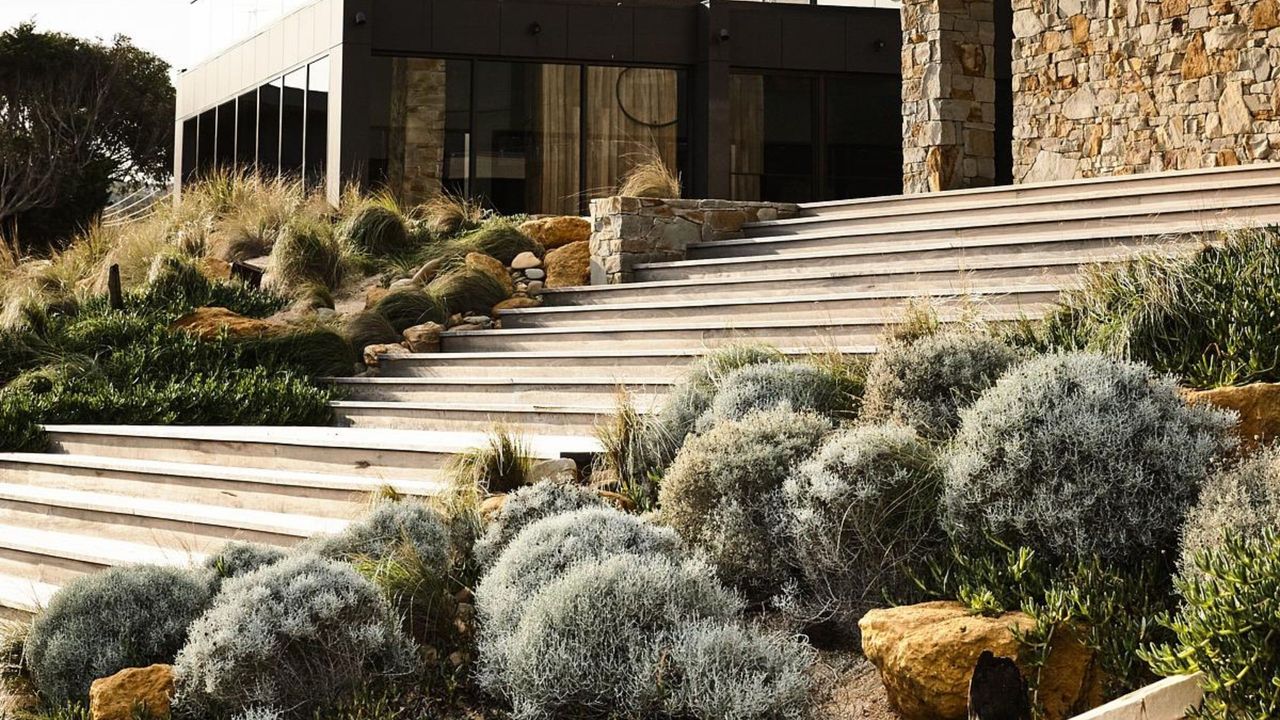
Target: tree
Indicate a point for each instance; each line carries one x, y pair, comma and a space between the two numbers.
75, 117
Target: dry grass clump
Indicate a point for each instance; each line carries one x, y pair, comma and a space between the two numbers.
500, 465
406, 308
376, 226
449, 214
307, 253
466, 290
650, 177
499, 239
367, 328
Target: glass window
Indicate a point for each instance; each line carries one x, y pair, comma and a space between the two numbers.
864, 149
190, 138
226, 150
317, 133
772, 138
247, 129
292, 122
207, 142
269, 97
631, 113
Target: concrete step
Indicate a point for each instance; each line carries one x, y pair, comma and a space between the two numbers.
1135, 198
812, 308
280, 491
570, 420
1063, 246
21, 597
833, 333
1003, 196
570, 390
57, 557
919, 277
190, 527
410, 461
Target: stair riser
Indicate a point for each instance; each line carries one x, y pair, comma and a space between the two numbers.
462, 420
1110, 206
44, 568
18, 615
641, 369
169, 534
319, 502
368, 463
576, 395
1083, 251
817, 311
947, 281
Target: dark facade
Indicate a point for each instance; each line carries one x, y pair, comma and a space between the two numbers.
538, 105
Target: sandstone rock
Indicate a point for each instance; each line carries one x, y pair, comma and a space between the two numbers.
132, 693
373, 295
491, 506
492, 267
373, 353
402, 284
428, 272
557, 470
525, 261
568, 266
215, 269
1258, 406
557, 232
622, 502
926, 654
516, 303
424, 338
208, 322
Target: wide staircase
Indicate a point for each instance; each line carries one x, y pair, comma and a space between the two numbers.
833, 279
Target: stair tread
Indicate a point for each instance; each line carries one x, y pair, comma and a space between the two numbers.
23, 594
261, 520
471, 407
264, 476
501, 381
91, 548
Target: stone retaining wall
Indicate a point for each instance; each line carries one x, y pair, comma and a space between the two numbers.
1113, 87
628, 231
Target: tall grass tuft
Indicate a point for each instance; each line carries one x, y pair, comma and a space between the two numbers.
500, 465
406, 308
464, 290
498, 238
377, 226
449, 214
306, 253
650, 177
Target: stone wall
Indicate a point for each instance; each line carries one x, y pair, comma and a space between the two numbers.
1114, 87
948, 94
628, 231
417, 128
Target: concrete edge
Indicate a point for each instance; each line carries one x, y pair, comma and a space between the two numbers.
1168, 699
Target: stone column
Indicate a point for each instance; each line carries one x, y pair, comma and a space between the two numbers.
948, 94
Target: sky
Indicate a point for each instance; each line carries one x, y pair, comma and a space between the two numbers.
159, 26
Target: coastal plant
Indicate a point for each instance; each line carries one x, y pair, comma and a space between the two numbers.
100, 624
467, 290
649, 176
298, 635
238, 558
525, 506
307, 253
801, 387
501, 465
1243, 500
406, 308
862, 514
376, 227
724, 494
366, 328
384, 529
498, 238
924, 383
448, 214
1078, 455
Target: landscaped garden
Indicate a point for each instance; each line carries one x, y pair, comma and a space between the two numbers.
826, 536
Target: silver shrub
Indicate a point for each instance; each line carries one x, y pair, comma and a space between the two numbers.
236, 558
385, 530
1076, 455
525, 507
259, 713
862, 512
590, 643
539, 555
725, 671
797, 386
1243, 500
723, 494
298, 635
926, 381
100, 624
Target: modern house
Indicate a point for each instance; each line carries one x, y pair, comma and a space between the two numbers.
538, 105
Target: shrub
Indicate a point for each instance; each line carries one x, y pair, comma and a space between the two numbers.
723, 671
306, 253
863, 514
525, 507
546, 549
500, 465
794, 386
497, 238
20, 429
1243, 500
926, 382
316, 352
723, 493
590, 642
376, 227
384, 529
1227, 627
100, 624
1208, 317
239, 558
1077, 455
367, 328
406, 308
466, 290
176, 286
300, 634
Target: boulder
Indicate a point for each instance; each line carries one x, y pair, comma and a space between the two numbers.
215, 269
557, 470
569, 266
1258, 406
373, 353
554, 232
207, 323
516, 303
526, 261
374, 295
492, 267
132, 693
926, 654
424, 338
